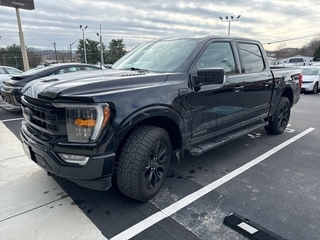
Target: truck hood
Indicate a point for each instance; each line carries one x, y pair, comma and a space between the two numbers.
90, 84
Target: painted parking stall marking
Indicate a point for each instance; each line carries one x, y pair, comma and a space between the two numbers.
167, 212
11, 120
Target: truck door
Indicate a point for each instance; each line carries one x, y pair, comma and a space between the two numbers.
258, 83
217, 108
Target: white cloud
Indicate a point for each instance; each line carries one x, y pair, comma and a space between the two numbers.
136, 21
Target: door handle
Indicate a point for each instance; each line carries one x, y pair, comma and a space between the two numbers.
267, 83
238, 88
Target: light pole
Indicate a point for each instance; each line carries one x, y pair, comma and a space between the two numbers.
84, 43
101, 50
55, 50
22, 42
229, 20
71, 48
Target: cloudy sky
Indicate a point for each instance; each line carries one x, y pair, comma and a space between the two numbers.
292, 23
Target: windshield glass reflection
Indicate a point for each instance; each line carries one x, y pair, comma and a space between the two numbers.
158, 56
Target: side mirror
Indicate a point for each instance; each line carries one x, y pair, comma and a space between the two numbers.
207, 76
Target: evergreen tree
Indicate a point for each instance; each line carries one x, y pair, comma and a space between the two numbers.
12, 56
317, 52
115, 51
92, 51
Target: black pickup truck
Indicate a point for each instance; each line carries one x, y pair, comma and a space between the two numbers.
168, 97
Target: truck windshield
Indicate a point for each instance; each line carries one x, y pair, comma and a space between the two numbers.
158, 56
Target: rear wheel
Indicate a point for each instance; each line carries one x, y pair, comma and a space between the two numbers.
281, 117
144, 162
315, 88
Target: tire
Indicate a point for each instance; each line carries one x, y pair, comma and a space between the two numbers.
144, 162
315, 88
281, 117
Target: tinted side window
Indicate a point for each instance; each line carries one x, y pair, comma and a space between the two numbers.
69, 70
218, 54
86, 68
251, 56
74, 69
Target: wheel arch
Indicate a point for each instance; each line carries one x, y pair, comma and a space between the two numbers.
169, 120
288, 93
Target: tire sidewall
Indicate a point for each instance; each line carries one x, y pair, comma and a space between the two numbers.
273, 126
315, 88
150, 193
135, 156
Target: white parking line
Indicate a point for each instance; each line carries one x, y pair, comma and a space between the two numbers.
12, 119
167, 212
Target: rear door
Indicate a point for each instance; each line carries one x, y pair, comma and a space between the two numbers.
258, 82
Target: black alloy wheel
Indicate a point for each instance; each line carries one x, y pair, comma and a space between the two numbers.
144, 162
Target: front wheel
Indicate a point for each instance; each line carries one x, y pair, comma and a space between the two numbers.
281, 117
315, 88
144, 162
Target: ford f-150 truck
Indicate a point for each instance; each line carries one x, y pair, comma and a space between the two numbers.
165, 98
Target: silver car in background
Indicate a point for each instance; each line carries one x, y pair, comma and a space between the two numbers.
6, 72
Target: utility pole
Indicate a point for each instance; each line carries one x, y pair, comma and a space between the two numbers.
71, 49
55, 51
101, 49
84, 43
227, 19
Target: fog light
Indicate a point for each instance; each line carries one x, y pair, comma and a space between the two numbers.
70, 158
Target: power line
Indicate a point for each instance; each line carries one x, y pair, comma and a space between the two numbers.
286, 40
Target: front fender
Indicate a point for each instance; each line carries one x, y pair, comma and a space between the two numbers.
160, 115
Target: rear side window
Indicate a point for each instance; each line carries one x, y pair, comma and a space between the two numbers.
86, 68
296, 60
69, 70
252, 60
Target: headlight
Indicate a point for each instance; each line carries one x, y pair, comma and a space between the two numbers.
85, 123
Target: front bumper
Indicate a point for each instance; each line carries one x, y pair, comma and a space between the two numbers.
308, 86
96, 174
11, 96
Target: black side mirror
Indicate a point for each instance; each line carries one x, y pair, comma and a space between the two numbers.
208, 76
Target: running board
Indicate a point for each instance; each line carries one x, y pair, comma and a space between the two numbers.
204, 147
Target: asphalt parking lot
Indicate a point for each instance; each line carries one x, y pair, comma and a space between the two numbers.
270, 180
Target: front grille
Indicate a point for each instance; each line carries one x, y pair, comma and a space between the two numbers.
44, 117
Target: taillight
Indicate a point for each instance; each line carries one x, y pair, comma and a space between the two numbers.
300, 80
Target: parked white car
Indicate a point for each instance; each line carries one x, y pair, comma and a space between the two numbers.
311, 78
6, 72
